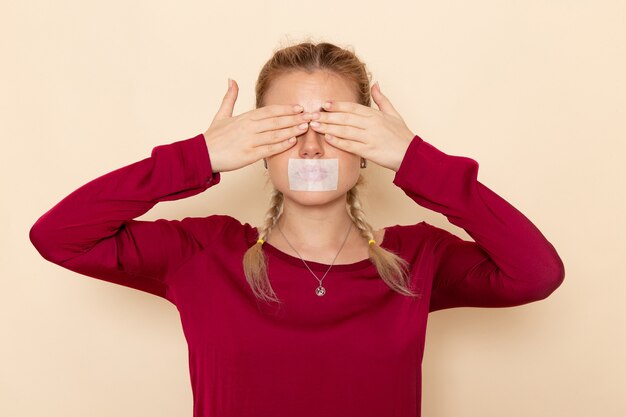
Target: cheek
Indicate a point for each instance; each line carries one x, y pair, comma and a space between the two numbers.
277, 172
278, 162
348, 173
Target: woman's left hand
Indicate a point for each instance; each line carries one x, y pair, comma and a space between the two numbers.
380, 136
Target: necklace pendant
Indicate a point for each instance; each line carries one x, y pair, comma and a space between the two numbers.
320, 291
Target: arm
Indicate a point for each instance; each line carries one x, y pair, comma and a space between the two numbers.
510, 263
92, 231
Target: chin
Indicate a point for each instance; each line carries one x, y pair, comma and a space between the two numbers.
311, 198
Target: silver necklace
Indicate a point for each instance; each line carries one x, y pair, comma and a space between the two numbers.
319, 290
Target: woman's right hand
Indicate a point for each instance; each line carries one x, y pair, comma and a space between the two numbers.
235, 142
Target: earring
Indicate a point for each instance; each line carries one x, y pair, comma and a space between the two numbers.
363, 162
265, 163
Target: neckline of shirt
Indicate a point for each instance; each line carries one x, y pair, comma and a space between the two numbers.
317, 266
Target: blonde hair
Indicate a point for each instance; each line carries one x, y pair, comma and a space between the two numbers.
310, 57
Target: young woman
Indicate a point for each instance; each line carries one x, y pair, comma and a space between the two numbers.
313, 313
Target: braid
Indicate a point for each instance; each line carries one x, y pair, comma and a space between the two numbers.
273, 214
356, 213
254, 262
391, 267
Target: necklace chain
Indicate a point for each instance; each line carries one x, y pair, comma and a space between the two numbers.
320, 291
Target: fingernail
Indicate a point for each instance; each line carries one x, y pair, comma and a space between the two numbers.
230, 82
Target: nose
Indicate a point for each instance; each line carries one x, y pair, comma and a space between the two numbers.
311, 144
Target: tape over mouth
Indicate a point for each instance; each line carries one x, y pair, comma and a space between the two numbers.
313, 174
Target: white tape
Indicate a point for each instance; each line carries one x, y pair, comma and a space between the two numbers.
313, 174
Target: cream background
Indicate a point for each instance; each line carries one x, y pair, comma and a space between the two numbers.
533, 90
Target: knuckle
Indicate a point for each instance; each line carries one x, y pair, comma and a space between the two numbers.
271, 148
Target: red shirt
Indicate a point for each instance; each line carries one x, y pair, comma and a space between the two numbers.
356, 351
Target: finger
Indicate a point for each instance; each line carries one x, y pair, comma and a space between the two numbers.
341, 118
274, 148
345, 132
344, 144
383, 103
278, 135
274, 110
280, 122
228, 102
347, 107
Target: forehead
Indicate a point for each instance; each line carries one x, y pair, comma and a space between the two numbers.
310, 90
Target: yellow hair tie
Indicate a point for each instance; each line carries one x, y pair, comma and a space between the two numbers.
371, 241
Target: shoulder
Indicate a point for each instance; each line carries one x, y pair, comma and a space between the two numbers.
215, 226
416, 235
408, 231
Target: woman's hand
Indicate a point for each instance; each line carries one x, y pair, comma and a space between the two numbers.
234, 142
380, 136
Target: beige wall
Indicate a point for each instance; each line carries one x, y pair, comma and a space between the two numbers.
533, 90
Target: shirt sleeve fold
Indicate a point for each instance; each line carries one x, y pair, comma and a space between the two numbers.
509, 263
92, 231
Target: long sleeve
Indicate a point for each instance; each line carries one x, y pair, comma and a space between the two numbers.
92, 231
509, 263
